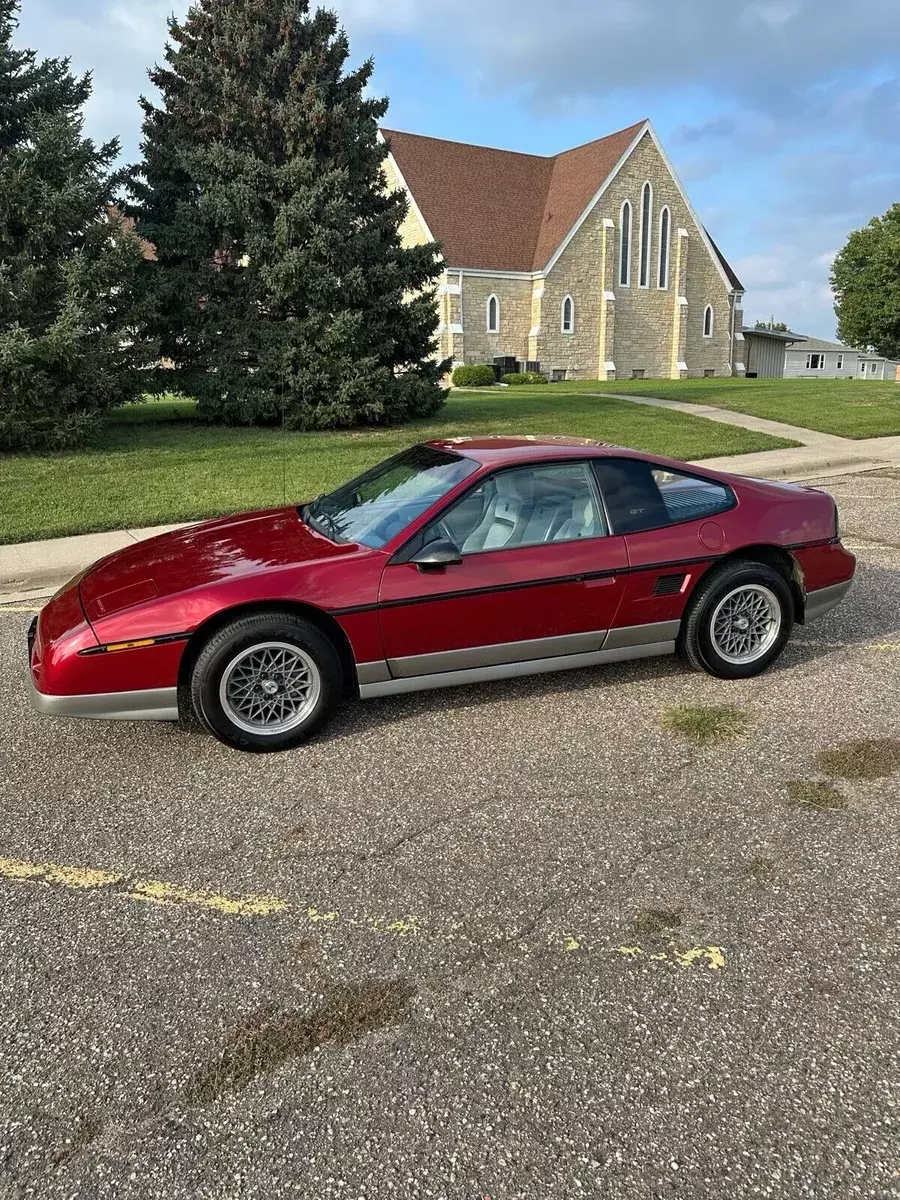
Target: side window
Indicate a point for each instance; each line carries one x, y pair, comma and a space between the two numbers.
632, 497
525, 506
493, 315
688, 498
640, 496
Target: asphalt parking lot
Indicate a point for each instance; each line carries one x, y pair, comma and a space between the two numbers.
517, 941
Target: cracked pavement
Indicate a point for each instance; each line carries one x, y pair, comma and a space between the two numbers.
494, 851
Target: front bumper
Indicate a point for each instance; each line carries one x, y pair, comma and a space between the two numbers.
154, 704
823, 600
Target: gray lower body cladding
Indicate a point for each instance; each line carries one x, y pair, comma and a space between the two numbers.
823, 600
508, 660
156, 704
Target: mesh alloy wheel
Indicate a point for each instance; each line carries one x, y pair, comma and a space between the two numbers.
267, 681
746, 624
738, 619
270, 688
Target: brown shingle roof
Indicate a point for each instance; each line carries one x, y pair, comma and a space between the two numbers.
499, 210
577, 177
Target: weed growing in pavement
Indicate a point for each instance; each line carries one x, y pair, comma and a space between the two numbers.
817, 794
706, 724
652, 921
871, 758
269, 1039
761, 869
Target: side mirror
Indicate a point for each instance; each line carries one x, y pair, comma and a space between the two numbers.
437, 555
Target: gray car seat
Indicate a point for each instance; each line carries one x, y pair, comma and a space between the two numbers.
545, 519
505, 515
582, 523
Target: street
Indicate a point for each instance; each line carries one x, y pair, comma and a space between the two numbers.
517, 941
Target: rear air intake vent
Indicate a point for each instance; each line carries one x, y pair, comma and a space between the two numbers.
669, 585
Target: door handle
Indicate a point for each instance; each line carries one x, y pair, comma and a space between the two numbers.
603, 581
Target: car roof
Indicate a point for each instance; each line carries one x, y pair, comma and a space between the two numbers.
500, 448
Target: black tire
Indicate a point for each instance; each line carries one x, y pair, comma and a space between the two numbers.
696, 643
316, 656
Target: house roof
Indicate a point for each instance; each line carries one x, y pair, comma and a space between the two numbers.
819, 344
778, 335
128, 225
498, 210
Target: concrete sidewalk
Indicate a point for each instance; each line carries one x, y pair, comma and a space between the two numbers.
818, 456
32, 570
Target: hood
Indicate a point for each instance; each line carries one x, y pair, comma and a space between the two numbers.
211, 552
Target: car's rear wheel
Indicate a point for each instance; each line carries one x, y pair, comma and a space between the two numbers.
739, 620
266, 682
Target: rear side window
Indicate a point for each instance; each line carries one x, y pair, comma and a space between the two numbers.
640, 496
687, 497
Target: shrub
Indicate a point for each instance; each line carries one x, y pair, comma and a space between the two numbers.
524, 378
477, 375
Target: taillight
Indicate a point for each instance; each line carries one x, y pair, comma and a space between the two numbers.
837, 521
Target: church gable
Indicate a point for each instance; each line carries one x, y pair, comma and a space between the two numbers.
591, 263
497, 210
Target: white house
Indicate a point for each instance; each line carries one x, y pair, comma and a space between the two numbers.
813, 358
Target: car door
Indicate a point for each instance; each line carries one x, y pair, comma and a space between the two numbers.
669, 522
540, 576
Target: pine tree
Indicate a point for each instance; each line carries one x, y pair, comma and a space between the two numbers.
67, 261
281, 287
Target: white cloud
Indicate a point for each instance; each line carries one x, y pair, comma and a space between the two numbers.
116, 40
391, 16
791, 283
774, 16
573, 48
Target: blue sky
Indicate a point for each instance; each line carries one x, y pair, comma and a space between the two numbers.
781, 116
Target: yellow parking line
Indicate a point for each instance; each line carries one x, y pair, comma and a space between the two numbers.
712, 957
157, 891
153, 891
123, 886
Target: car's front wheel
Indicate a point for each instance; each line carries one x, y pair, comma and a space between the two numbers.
739, 620
266, 682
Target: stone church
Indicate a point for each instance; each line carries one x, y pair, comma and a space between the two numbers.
588, 265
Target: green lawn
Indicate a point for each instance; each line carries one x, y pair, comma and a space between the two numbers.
156, 465
849, 408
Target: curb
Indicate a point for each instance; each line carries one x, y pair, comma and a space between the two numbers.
816, 467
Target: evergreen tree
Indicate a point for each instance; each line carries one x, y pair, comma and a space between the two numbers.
281, 285
67, 261
866, 282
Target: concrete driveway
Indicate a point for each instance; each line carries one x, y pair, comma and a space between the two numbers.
510, 942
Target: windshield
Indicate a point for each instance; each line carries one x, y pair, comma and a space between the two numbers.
378, 505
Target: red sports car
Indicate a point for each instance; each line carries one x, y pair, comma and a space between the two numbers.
454, 562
